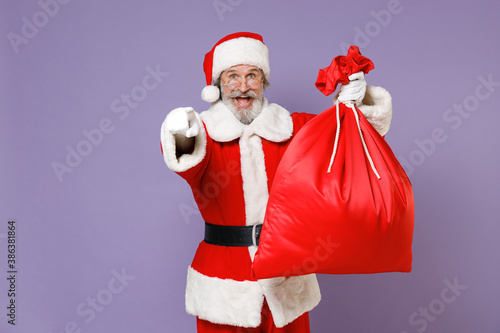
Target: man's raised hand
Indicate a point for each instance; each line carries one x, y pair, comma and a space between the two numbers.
355, 90
183, 121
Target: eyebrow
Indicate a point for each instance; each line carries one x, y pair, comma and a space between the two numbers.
250, 70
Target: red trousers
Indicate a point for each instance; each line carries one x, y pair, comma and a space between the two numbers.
299, 325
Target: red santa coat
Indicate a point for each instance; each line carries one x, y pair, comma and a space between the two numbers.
230, 173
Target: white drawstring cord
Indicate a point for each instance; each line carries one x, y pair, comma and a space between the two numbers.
336, 138
364, 144
360, 134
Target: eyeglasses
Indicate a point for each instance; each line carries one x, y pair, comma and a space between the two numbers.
251, 83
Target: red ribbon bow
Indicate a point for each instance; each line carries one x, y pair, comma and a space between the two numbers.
341, 68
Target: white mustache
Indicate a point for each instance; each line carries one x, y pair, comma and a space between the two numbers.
237, 93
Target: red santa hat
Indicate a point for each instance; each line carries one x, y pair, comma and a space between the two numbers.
241, 48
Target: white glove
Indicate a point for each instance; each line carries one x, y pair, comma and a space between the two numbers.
183, 121
355, 90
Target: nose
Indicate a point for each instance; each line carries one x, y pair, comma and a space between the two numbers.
243, 87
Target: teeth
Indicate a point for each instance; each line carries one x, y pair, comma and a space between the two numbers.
243, 101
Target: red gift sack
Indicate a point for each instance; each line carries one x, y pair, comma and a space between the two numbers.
346, 212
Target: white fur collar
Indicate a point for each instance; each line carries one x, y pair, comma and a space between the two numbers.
274, 123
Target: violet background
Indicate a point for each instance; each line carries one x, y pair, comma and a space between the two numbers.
121, 207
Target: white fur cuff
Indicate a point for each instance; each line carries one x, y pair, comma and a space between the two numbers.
377, 108
185, 161
290, 297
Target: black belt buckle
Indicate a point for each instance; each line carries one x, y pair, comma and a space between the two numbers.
240, 236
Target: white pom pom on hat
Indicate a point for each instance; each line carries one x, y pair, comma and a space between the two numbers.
241, 48
210, 94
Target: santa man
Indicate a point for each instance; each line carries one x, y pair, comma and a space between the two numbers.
229, 155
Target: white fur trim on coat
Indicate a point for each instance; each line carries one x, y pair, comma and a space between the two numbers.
224, 301
185, 161
274, 123
239, 303
254, 176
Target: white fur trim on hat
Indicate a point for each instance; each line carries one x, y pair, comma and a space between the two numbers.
240, 51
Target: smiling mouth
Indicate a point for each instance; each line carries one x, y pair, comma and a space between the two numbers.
243, 101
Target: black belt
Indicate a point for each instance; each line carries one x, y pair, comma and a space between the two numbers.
224, 235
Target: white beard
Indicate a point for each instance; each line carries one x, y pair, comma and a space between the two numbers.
244, 115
